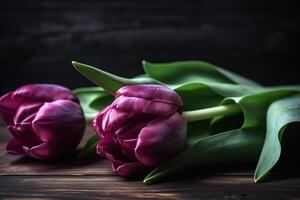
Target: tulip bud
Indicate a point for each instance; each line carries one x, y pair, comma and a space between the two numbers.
46, 121
141, 128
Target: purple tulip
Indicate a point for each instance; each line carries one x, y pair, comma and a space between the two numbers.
141, 128
46, 121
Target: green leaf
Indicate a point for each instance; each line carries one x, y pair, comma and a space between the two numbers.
232, 147
182, 72
200, 84
280, 115
255, 105
204, 95
210, 93
243, 144
109, 82
89, 150
92, 100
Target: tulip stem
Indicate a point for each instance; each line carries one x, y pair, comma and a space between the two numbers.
207, 113
195, 115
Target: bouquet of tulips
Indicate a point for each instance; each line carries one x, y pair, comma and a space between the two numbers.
176, 117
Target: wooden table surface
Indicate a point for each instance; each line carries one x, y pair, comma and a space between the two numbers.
24, 178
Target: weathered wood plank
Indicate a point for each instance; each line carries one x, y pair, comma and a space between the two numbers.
104, 187
24, 178
18, 165
38, 39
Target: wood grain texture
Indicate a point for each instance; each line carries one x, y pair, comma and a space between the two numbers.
105, 187
39, 38
24, 178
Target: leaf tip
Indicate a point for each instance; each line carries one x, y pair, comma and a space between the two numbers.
151, 178
145, 181
148, 181
257, 179
258, 176
144, 62
76, 64
145, 66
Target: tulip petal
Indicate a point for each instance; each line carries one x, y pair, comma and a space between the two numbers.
14, 146
112, 119
26, 112
109, 148
139, 105
127, 148
48, 150
132, 125
144, 126
131, 169
97, 122
108, 120
8, 107
59, 120
44, 92
160, 139
151, 92
120, 164
25, 134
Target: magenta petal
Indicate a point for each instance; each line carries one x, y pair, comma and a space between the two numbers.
51, 149
8, 107
132, 126
128, 148
97, 122
112, 119
131, 169
26, 112
60, 120
160, 139
14, 146
108, 120
120, 163
151, 92
46, 150
24, 134
45, 92
138, 105
109, 148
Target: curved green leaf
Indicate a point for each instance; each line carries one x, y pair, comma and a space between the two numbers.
109, 82
89, 149
200, 84
176, 73
222, 148
255, 105
236, 146
92, 100
204, 86
280, 114
204, 95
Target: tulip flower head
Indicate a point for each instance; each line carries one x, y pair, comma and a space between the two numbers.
142, 128
46, 121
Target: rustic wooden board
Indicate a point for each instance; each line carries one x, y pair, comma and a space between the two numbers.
38, 39
25, 178
112, 187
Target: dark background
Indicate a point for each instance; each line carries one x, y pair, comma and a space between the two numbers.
39, 38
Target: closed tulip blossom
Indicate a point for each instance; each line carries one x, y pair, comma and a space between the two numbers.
46, 121
142, 128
